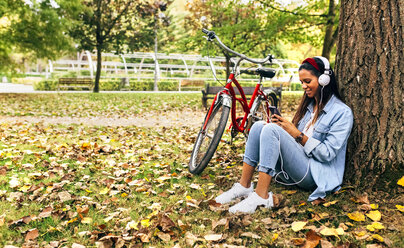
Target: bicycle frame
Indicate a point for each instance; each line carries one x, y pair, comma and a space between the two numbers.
229, 90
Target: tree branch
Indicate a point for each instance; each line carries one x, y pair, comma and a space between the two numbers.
294, 13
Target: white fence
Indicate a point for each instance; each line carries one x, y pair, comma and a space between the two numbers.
167, 66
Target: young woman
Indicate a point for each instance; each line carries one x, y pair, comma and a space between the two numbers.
308, 152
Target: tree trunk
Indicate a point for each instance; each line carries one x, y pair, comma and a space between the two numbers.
98, 72
369, 68
328, 38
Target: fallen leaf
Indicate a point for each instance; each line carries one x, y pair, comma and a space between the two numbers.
267, 221
298, 225
374, 215
374, 206
400, 208
2, 220
190, 239
289, 192
75, 245
166, 223
326, 244
356, 216
213, 237
401, 181
32, 234
312, 239
164, 236
361, 199
86, 220
377, 237
327, 204
46, 212
64, 196
222, 222
375, 226
298, 241
250, 235
332, 231
274, 237
317, 201
374, 246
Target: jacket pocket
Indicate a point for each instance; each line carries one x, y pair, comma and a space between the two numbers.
320, 132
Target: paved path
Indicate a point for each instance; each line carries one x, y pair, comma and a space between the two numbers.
21, 88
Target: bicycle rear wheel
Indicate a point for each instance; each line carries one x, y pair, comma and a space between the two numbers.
207, 141
260, 110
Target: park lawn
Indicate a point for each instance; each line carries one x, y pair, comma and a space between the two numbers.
100, 185
114, 105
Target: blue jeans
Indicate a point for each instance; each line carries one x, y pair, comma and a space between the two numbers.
262, 148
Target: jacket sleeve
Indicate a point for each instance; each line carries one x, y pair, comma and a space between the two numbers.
336, 137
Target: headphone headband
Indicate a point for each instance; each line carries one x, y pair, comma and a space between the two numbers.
324, 78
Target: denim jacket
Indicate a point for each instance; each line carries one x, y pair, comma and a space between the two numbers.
326, 148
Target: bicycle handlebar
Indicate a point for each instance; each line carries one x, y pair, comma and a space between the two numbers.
211, 35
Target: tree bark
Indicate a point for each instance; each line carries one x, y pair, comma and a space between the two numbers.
328, 37
369, 68
98, 72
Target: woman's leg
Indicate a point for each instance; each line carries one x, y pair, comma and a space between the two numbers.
251, 154
280, 152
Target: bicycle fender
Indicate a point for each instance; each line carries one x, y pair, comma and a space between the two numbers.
226, 100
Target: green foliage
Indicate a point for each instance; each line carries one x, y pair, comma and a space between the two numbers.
296, 86
37, 30
256, 28
46, 85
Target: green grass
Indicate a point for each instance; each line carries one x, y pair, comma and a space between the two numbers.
126, 176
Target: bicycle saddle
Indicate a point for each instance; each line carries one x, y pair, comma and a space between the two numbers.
266, 72
263, 72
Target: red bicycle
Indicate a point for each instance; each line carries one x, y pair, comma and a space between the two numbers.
261, 106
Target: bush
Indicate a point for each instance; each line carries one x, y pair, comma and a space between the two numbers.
46, 85
26, 81
110, 84
296, 87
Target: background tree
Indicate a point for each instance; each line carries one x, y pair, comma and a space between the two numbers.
36, 29
114, 25
369, 67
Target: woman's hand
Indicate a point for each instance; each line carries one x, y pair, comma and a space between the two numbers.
286, 125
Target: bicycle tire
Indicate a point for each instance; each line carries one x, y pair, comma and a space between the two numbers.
260, 110
201, 157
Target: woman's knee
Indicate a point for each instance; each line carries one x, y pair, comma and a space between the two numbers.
257, 128
271, 129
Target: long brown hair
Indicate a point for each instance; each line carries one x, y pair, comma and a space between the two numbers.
327, 91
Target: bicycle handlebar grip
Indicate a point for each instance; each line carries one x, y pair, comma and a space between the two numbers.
211, 35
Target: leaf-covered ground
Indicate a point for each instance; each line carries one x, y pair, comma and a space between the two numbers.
70, 185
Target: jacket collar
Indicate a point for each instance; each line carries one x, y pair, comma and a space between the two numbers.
327, 107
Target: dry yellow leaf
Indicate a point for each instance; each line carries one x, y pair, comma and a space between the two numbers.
378, 237
327, 204
400, 208
374, 206
145, 222
124, 195
374, 215
104, 191
86, 220
401, 181
275, 237
375, 226
356, 216
298, 225
332, 231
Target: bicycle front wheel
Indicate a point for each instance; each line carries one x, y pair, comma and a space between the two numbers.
208, 139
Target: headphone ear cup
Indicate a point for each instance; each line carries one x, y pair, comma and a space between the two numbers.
324, 80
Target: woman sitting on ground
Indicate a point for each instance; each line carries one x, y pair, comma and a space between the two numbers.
308, 152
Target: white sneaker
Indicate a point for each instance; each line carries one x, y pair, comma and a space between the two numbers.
235, 192
250, 204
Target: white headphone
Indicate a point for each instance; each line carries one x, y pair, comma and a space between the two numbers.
324, 79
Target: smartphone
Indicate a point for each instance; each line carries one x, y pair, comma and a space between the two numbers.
274, 110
